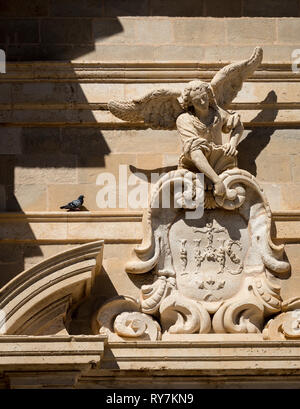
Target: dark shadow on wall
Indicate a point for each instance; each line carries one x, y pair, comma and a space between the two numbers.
54, 30
188, 8
47, 148
258, 138
149, 172
102, 291
202, 8
40, 30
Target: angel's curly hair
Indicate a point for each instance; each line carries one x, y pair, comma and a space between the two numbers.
185, 99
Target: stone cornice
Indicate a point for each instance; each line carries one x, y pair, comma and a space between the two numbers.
44, 227
54, 353
79, 360
120, 71
208, 357
286, 215
72, 217
115, 216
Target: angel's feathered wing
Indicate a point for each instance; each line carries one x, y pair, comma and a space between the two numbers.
158, 109
228, 81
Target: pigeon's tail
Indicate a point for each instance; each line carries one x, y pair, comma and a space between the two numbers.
64, 207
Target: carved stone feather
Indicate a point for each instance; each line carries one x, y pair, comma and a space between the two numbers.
229, 80
158, 109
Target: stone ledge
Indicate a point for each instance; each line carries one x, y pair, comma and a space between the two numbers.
142, 380
105, 120
286, 215
76, 361
286, 224
207, 357
278, 214
70, 217
122, 71
73, 351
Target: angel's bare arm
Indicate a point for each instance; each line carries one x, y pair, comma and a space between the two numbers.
235, 138
233, 125
236, 134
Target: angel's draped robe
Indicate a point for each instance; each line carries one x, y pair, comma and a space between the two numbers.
208, 138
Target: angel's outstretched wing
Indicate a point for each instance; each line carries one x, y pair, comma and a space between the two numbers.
229, 80
158, 109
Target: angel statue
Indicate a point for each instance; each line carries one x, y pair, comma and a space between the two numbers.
209, 132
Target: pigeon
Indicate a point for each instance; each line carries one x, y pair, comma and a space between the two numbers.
75, 204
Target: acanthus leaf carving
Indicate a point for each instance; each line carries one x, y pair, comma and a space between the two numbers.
152, 295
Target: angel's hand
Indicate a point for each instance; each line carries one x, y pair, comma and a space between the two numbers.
230, 149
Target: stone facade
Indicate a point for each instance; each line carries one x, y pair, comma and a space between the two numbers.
66, 60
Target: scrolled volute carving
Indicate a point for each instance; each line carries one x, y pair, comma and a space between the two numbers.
239, 317
180, 315
285, 326
121, 318
137, 325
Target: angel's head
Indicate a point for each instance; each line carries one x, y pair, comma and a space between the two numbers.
197, 94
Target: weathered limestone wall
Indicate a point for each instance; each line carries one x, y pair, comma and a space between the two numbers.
58, 135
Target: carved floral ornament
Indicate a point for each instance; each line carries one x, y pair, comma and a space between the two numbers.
219, 273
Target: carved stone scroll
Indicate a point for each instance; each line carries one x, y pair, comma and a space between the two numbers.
285, 325
121, 319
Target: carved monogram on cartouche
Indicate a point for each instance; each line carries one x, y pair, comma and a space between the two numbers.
220, 254
226, 249
183, 254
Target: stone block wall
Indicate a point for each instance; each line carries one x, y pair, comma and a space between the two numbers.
152, 30
66, 59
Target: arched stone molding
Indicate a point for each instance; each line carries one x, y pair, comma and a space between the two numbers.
38, 300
